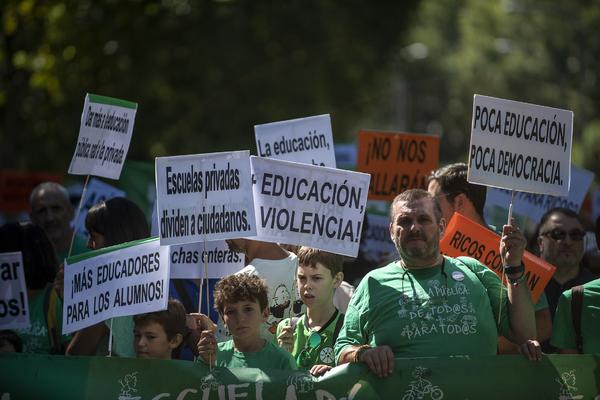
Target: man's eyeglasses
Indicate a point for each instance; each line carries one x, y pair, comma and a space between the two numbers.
314, 340
576, 235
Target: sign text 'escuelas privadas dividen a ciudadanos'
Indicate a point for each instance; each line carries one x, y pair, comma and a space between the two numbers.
204, 197
104, 137
309, 205
127, 279
520, 146
305, 140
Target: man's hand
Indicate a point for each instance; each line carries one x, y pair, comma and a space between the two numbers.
207, 347
380, 360
197, 323
319, 369
512, 244
532, 350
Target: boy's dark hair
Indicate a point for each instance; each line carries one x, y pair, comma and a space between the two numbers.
452, 179
172, 319
119, 220
39, 259
8, 336
412, 195
241, 287
311, 256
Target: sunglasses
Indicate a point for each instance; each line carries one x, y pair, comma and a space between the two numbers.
314, 340
576, 235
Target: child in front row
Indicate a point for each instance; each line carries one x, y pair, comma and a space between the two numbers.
242, 302
310, 338
159, 334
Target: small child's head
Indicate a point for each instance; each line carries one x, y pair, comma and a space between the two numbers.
157, 334
319, 274
242, 300
10, 342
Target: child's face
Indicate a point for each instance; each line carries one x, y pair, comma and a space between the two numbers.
150, 341
316, 285
244, 319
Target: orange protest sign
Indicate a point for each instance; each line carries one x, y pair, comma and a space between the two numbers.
464, 237
396, 161
16, 186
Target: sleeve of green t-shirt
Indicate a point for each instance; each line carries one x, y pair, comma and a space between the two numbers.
563, 333
496, 292
352, 332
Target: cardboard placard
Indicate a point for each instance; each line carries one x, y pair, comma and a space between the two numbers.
14, 302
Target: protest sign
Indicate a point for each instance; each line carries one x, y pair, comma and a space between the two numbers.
464, 237
97, 191
309, 205
595, 204
377, 245
520, 146
396, 161
535, 205
188, 260
104, 136
556, 376
127, 279
305, 140
16, 187
14, 305
204, 197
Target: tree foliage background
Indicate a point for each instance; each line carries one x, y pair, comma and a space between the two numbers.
204, 72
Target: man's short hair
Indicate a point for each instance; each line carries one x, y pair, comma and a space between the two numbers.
241, 287
452, 179
308, 256
50, 187
412, 195
172, 319
557, 210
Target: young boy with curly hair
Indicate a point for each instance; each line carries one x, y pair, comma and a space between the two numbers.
310, 338
159, 334
242, 302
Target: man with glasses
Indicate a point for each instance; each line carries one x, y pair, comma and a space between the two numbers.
426, 304
560, 241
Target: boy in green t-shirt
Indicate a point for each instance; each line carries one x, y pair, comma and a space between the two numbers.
242, 302
310, 338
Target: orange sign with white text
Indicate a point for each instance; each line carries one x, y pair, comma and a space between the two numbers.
396, 161
464, 237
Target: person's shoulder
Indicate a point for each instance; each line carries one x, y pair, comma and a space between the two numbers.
226, 345
471, 263
593, 285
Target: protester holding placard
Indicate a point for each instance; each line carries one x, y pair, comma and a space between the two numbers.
455, 194
159, 334
110, 222
45, 307
52, 210
278, 267
310, 337
242, 302
427, 304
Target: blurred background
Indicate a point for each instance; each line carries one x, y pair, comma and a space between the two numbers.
205, 72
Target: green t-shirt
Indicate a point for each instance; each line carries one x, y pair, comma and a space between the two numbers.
269, 357
563, 333
320, 354
423, 313
35, 338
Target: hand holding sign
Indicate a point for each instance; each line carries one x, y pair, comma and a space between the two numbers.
512, 245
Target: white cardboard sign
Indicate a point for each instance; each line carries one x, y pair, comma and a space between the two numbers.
534, 206
309, 205
104, 136
520, 146
204, 197
14, 304
188, 260
128, 279
305, 140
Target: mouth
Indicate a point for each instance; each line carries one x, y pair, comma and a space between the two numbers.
308, 296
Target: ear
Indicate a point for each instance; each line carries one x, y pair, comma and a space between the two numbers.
540, 243
337, 279
460, 202
392, 232
442, 226
176, 341
265, 314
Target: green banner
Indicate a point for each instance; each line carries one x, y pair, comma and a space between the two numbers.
492, 377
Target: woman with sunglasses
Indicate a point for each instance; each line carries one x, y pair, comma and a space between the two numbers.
310, 338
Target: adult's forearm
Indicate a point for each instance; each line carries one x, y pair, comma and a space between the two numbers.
521, 313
